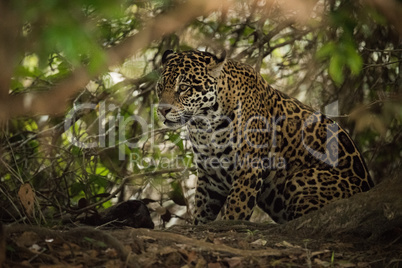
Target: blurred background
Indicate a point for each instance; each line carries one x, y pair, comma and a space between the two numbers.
78, 127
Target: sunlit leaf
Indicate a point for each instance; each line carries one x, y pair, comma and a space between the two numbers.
336, 68
175, 138
98, 180
354, 61
326, 50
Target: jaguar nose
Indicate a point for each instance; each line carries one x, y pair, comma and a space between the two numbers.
164, 110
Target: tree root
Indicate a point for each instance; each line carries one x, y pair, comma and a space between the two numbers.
370, 214
207, 246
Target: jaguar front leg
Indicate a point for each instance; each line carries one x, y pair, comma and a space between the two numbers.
243, 196
210, 197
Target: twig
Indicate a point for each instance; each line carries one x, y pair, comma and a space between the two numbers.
381, 64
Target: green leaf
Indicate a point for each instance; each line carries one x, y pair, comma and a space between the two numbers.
177, 194
336, 68
188, 159
98, 180
248, 30
354, 61
76, 151
326, 50
175, 138
97, 60
77, 188
101, 170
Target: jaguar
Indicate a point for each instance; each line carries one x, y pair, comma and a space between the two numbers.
254, 145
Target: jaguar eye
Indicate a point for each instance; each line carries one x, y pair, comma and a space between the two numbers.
183, 88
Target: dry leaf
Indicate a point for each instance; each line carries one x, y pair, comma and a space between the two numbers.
191, 256
111, 253
234, 261
259, 242
27, 198
214, 265
27, 239
286, 245
35, 248
201, 262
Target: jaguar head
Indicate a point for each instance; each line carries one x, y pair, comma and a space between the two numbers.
188, 85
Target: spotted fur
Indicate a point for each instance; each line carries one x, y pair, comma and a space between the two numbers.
255, 145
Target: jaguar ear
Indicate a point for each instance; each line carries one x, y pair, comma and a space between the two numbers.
216, 67
166, 55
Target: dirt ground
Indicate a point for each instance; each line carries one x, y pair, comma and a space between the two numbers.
221, 244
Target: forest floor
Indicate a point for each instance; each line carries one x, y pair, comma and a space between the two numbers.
221, 244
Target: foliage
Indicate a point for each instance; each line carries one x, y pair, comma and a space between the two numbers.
343, 51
